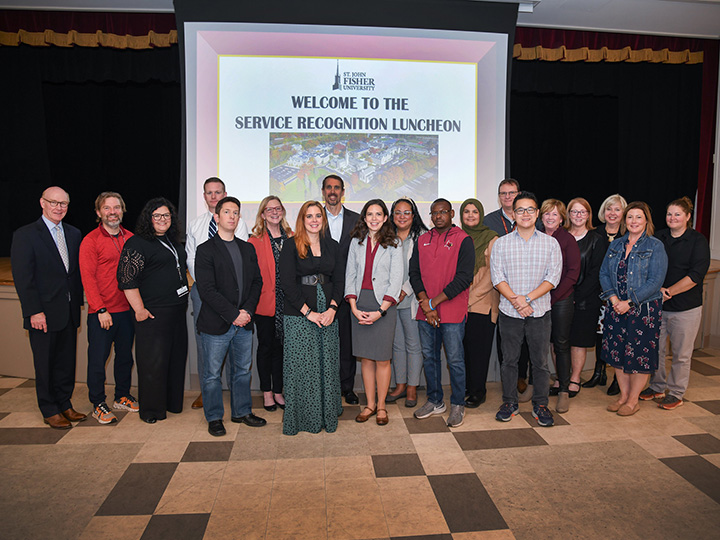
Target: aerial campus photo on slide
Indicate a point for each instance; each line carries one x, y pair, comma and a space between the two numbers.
373, 165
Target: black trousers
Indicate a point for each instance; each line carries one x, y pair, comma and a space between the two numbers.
562, 316
269, 355
54, 360
479, 331
161, 346
348, 363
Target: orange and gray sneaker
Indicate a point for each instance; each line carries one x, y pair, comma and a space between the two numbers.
103, 415
127, 403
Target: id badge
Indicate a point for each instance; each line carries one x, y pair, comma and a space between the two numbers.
182, 291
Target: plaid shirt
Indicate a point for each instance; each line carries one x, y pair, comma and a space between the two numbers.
524, 265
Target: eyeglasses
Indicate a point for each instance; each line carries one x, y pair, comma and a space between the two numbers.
439, 213
521, 211
53, 204
274, 210
507, 193
160, 217
403, 212
578, 212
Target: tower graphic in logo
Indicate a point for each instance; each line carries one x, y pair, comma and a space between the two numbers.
336, 86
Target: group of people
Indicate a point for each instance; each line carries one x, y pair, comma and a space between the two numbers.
377, 286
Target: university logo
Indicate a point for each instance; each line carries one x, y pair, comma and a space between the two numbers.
353, 80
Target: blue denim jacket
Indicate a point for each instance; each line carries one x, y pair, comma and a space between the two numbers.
647, 264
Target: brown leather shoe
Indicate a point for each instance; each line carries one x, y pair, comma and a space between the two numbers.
197, 404
615, 407
74, 416
382, 420
366, 413
57, 421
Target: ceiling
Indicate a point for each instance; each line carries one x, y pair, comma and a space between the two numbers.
691, 18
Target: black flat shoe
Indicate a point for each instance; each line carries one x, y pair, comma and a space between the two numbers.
249, 420
271, 408
150, 420
473, 401
613, 389
350, 397
573, 393
598, 378
216, 428
554, 391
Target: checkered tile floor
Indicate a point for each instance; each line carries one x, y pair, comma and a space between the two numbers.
593, 475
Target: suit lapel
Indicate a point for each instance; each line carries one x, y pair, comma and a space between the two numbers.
49, 241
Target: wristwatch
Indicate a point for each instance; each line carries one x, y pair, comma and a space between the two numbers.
102, 310
527, 299
382, 312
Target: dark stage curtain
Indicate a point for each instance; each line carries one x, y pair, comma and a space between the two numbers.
88, 120
590, 130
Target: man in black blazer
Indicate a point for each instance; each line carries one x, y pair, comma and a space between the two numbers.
44, 258
229, 283
341, 221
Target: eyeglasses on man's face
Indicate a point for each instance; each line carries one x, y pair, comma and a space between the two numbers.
507, 193
439, 213
54, 204
160, 217
530, 211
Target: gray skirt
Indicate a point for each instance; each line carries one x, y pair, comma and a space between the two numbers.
373, 341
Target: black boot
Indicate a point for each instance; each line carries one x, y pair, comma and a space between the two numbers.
614, 389
599, 376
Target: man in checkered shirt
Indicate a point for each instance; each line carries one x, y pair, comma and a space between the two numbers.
525, 266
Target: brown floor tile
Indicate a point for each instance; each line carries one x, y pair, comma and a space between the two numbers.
192, 489
387, 466
297, 523
122, 527
30, 383
44, 435
424, 537
465, 503
139, 489
4, 390
299, 470
699, 472
356, 522
350, 411
502, 438
226, 524
504, 534
434, 424
704, 369
244, 472
702, 443
701, 354
353, 492
11, 382
345, 468
185, 526
208, 451
712, 405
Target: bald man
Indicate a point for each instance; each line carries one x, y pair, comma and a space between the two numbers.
44, 258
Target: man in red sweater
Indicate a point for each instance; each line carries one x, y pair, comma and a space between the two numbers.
110, 320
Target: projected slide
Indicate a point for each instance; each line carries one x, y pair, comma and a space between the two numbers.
273, 109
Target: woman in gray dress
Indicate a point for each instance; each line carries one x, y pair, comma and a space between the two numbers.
373, 279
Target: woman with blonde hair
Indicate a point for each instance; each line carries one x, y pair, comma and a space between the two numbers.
312, 276
269, 234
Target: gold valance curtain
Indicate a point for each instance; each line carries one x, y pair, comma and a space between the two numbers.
605, 54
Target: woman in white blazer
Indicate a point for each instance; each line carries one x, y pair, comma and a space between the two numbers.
373, 279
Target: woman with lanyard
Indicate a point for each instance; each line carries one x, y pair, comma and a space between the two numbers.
152, 273
268, 237
688, 261
312, 275
482, 304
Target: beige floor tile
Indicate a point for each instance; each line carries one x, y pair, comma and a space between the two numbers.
356, 522
192, 489
19, 400
122, 527
562, 435
302, 445
440, 453
663, 446
406, 498
249, 472
713, 458
297, 523
694, 393
304, 494
299, 470
349, 467
201, 432
709, 424
234, 524
11, 382
161, 452
23, 419
353, 492
243, 498
486, 420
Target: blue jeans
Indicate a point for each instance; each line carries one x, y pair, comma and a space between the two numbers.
237, 344
196, 305
451, 336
